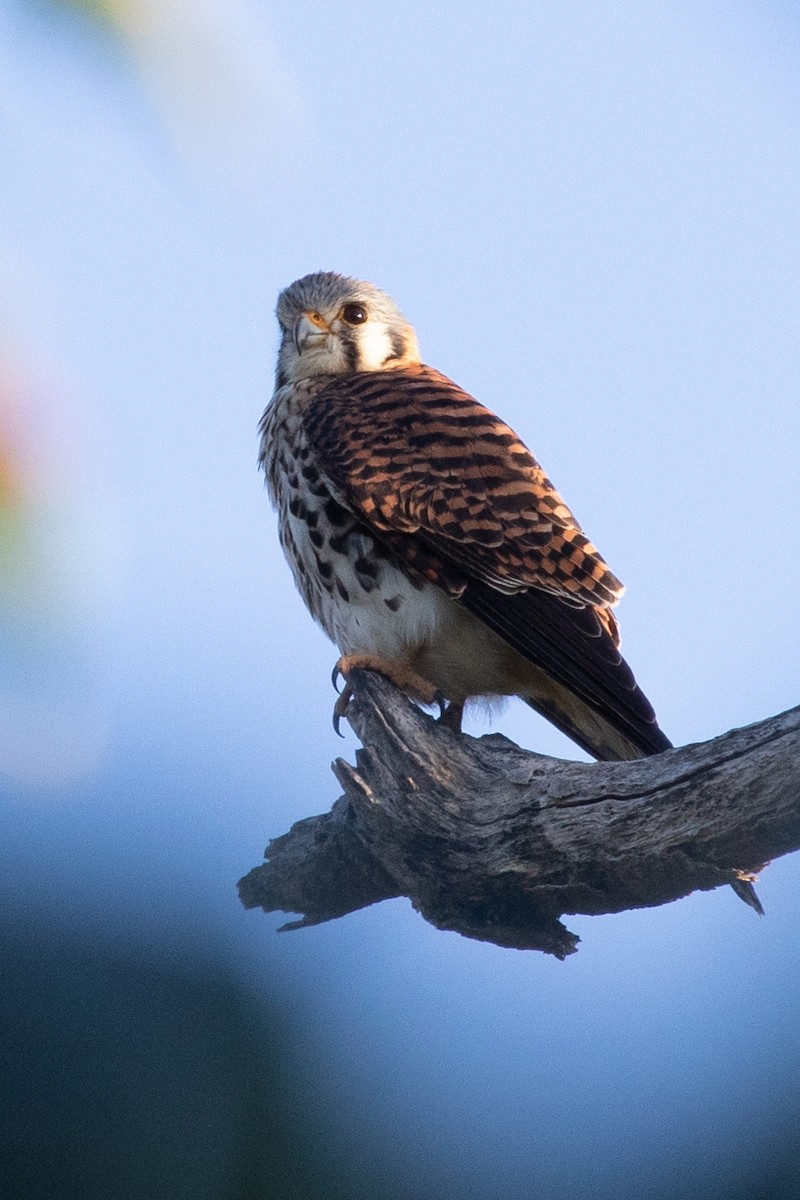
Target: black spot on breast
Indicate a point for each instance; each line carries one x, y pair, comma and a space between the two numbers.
297, 508
393, 603
336, 514
342, 590
317, 538
366, 572
365, 567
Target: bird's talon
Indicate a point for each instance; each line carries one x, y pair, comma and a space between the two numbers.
335, 673
340, 708
440, 701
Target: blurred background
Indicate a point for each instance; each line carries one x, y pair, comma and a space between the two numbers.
590, 213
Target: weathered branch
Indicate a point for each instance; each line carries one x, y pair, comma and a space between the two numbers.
497, 843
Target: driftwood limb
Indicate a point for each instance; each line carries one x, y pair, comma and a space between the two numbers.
497, 843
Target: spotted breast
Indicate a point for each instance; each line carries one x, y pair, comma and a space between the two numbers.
348, 579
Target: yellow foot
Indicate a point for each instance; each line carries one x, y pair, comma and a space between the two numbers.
402, 677
399, 674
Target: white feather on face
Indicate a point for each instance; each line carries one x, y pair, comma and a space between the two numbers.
353, 327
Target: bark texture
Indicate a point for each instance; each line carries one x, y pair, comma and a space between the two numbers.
498, 843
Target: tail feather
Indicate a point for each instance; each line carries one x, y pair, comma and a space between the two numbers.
590, 730
581, 681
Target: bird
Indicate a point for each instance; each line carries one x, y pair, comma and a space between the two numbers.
426, 539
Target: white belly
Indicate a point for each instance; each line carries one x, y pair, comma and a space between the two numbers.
414, 626
390, 617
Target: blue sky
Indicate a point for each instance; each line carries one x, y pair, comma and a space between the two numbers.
589, 212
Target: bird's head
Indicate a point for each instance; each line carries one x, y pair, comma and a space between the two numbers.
332, 325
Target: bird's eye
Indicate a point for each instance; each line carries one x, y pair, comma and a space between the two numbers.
354, 314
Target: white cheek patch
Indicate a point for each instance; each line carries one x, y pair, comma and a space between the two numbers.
374, 346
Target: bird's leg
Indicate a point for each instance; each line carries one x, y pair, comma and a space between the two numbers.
399, 674
451, 716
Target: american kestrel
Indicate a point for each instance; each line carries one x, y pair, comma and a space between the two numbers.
424, 537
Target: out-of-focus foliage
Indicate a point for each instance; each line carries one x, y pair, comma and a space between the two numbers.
226, 101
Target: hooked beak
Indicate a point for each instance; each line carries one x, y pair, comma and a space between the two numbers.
309, 330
